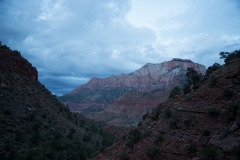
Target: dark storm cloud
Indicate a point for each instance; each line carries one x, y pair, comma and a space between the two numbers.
71, 41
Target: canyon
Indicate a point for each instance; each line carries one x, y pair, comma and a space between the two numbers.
122, 100
204, 124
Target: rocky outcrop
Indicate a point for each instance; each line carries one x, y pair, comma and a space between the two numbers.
151, 76
226, 143
125, 98
12, 62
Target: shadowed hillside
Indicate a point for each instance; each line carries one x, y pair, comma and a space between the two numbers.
34, 124
203, 124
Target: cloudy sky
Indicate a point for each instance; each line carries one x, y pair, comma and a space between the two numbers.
71, 41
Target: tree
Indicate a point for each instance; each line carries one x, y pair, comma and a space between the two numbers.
152, 152
212, 68
229, 56
192, 76
175, 91
224, 55
186, 89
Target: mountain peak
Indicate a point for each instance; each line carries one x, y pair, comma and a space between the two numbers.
131, 95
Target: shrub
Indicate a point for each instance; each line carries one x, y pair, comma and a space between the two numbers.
7, 112
192, 148
31, 117
19, 136
36, 138
167, 112
146, 133
152, 152
57, 135
229, 56
173, 122
70, 135
187, 122
145, 116
192, 76
139, 124
212, 112
36, 126
206, 132
158, 139
209, 153
156, 113
124, 136
175, 91
213, 80
135, 136
232, 111
13, 155
4, 46
212, 68
130, 142
236, 152
102, 148
8, 146
44, 115
86, 138
186, 89
228, 93
188, 97
124, 156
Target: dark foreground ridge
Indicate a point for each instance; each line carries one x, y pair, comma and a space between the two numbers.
35, 125
200, 123
13, 62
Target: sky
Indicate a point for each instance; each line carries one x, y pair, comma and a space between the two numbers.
72, 41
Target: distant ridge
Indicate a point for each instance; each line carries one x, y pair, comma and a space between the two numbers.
123, 99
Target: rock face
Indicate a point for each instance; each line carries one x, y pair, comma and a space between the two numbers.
12, 62
149, 77
125, 98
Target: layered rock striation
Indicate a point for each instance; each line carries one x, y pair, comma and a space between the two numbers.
12, 62
123, 99
147, 78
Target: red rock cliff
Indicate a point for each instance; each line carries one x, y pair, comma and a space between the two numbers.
149, 77
11, 62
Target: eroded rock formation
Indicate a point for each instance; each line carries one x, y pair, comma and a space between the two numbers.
149, 77
125, 98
